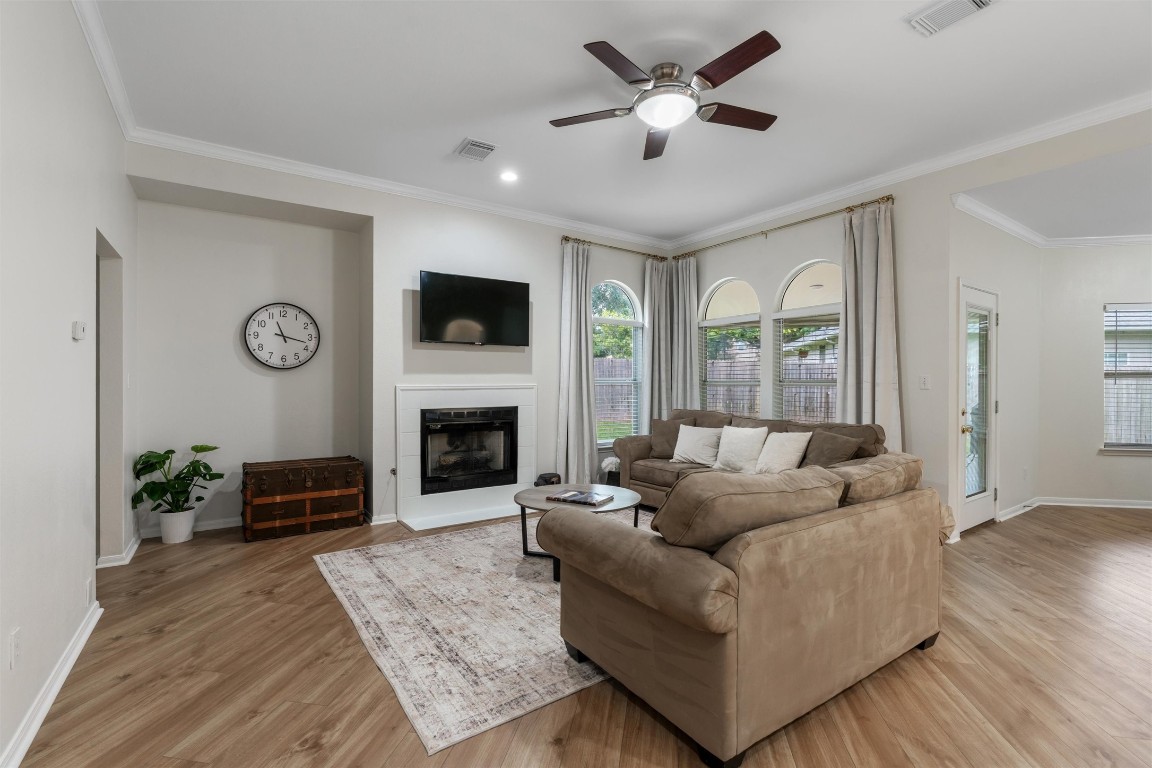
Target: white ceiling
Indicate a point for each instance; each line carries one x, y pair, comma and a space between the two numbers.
387, 90
1108, 197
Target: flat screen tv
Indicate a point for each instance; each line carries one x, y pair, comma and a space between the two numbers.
458, 309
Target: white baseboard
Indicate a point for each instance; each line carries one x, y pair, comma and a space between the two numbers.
125, 557
16, 748
153, 531
382, 519
1057, 501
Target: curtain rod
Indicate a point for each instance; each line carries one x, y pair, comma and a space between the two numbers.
761, 233
765, 232
567, 239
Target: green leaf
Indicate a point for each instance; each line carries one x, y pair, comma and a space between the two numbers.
204, 448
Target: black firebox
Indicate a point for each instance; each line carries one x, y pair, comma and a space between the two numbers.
463, 448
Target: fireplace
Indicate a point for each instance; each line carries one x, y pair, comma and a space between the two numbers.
464, 448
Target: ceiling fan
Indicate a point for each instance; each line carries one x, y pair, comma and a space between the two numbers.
665, 100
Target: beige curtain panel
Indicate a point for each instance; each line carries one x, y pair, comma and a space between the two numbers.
576, 457
868, 382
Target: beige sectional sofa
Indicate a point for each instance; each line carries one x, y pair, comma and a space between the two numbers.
759, 597
649, 471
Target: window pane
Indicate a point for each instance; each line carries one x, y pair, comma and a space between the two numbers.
732, 299
731, 355
610, 300
1128, 375
821, 283
807, 355
616, 362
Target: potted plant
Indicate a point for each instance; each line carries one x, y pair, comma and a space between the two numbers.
172, 495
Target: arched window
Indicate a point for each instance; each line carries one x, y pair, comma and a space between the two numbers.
730, 349
806, 343
617, 360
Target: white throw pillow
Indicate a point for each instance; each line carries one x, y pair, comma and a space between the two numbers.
740, 448
697, 445
782, 450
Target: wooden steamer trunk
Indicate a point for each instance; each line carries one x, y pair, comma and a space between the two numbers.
286, 498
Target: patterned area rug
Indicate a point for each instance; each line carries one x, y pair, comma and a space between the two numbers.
465, 628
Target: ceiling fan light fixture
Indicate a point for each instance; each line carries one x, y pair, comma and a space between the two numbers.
666, 106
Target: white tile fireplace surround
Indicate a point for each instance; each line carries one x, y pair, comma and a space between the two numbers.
450, 508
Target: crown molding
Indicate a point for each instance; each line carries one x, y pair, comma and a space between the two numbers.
92, 23
207, 149
1086, 119
989, 215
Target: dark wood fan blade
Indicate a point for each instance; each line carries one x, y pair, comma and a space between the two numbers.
655, 142
727, 66
601, 115
618, 63
726, 114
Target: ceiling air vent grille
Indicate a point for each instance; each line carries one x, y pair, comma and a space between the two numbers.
475, 150
928, 21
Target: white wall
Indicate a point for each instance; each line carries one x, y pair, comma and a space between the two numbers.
407, 236
201, 275
61, 180
1077, 283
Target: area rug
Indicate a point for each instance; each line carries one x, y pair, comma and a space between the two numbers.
465, 628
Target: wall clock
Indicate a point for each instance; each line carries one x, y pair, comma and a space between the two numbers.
282, 335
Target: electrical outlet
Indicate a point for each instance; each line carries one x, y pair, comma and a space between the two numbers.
925, 382
1025, 473
14, 649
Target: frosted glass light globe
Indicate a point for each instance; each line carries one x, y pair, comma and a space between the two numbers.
665, 108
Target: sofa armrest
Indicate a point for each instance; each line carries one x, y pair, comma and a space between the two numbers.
628, 450
684, 584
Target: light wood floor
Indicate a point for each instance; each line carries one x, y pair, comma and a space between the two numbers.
222, 653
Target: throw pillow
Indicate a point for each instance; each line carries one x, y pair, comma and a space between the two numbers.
879, 477
828, 448
664, 434
706, 509
782, 450
697, 445
740, 448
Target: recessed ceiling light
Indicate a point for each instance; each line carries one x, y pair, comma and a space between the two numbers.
509, 176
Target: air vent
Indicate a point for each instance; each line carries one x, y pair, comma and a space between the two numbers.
475, 150
928, 21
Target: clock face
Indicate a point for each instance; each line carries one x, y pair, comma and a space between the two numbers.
282, 335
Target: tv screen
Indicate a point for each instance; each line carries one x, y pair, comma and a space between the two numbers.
458, 309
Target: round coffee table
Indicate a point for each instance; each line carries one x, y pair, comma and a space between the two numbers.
537, 499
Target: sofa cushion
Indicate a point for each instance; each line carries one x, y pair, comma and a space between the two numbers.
710, 419
706, 509
828, 448
879, 477
774, 425
664, 434
662, 472
739, 448
697, 445
783, 450
872, 435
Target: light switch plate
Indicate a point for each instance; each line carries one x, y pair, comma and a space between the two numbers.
79, 330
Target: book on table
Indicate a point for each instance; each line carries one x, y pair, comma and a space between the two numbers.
587, 498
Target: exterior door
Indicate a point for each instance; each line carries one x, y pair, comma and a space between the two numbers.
979, 406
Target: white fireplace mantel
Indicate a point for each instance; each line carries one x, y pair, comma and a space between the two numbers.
439, 509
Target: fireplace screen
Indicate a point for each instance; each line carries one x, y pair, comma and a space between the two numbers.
467, 448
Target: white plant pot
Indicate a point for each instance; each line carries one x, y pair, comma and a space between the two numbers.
176, 527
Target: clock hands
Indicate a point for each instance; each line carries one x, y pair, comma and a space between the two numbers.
286, 338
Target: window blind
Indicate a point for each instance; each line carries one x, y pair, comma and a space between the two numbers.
1128, 375
807, 356
616, 369
730, 379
